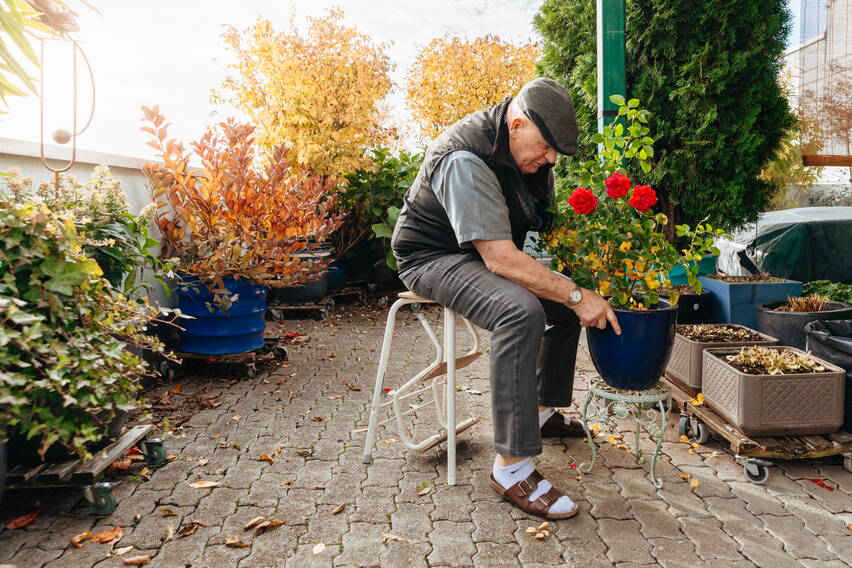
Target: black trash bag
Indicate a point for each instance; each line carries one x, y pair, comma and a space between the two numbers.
832, 340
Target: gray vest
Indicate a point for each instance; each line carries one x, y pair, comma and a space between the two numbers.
423, 231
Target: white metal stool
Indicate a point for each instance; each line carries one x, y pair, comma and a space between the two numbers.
445, 363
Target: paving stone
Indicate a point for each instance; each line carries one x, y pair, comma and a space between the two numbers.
634, 484
841, 545
832, 499
709, 485
730, 511
221, 503
407, 554
675, 553
412, 521
374, 505
796, 539
711, 543
452, 503
581, 543
34, 557
764, 550
810, 563
682, 500
325, 527
298, 505
361, 545
493, 522
494, 555
179, 551
452, 544
813, 514
606, 501
655, 519
624, 541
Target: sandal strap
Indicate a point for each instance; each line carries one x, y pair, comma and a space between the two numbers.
519, 494
541, 506
525, 487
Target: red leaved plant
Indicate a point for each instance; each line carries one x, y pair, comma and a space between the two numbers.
237, 216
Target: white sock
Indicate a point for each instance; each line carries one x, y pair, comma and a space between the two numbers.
544, 415
509, 475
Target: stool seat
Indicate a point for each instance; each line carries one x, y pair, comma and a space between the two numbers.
409, 295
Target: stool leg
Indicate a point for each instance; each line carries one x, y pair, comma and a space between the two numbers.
450, 358
380, 379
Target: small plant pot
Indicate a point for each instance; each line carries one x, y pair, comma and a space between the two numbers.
634, 360
736, 302
774, 405
789, 327
686, 363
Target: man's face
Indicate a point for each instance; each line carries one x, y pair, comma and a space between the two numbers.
527, 146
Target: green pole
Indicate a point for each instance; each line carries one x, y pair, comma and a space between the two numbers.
610, 51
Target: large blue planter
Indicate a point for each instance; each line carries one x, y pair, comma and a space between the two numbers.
216, 332
636, 359
707, 265
736, 302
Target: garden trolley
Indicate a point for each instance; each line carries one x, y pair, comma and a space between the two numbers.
271, 348
755, 454
87, 475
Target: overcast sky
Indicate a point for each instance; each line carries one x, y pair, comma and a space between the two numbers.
170, 53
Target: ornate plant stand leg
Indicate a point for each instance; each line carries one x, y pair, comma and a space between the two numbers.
628, 404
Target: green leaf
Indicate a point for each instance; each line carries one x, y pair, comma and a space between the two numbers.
616, 99
382, 230
633, 103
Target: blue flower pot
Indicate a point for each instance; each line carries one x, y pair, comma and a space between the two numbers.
216, 332
636, 359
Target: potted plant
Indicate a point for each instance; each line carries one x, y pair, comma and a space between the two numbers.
786, 320
774, 391
65, 370
835, 291
736, 297
609, 240
685, 363
234, 228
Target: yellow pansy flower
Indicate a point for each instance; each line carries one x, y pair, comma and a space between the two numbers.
625, 246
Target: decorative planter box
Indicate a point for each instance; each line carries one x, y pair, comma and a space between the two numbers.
774, 405
736, 302
686, 362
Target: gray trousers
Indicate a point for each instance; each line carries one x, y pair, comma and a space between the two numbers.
530, 366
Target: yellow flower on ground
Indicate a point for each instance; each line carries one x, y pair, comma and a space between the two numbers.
625, 246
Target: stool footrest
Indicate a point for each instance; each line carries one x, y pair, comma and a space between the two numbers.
442, 437
461, 363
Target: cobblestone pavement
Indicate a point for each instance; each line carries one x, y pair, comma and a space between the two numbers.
304, 416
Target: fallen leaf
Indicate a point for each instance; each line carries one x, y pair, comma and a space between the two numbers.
389, 441
387, 536
317, 419
204, 484
530, 531
690, 451
135, 457
320, 487
350, 386
698, 400
220, 471
278, 451
253, 523
189, 528
121, 465
304, 453
338, 509
542, 535
596, 428
335, 397
123, 550
109, 535
694, 445
236, 417
203, 461
22, 521
171, 458
849, 526
77, 541
542, 526
178, 389
820, 483
265, 525
623, 447
170, 533
359, 430
144, 472
694, 483
614, 439
684, 438
168, 513
287, 482
136, 560
424, 488
684, 475
266, 458
319, 547
217, 436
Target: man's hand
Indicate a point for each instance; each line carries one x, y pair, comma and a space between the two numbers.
594, 310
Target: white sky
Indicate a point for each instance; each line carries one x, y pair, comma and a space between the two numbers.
170, 53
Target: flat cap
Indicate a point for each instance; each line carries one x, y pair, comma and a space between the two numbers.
548, 104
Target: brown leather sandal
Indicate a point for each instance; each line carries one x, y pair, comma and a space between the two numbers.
518, 494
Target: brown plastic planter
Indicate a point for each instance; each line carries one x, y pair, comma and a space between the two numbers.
685, 363
774, 405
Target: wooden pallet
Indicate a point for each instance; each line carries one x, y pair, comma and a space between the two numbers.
775, 447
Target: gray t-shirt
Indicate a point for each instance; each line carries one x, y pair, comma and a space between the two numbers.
471, 195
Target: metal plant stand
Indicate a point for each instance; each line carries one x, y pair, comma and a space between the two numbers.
649, 410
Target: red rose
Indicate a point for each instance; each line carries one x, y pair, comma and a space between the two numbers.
583, 201
643, 197
617, 185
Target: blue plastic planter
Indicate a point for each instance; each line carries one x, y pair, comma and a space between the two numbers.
736, 302
707, 265
636, 359
216, 332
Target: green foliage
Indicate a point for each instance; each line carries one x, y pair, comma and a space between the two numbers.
64, 368
373, 199
707, 72
835, 291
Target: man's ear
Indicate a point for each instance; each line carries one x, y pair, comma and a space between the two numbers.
516, 123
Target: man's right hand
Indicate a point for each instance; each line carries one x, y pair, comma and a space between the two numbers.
596, 311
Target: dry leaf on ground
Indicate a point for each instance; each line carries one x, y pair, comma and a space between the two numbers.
253, 523
389, 441
338, 509
234, 542
22, 521
359, 430
204, 484
121, 465
317, 419
236, 417
136, 560
77, 541
109, 535
694, 483
265, 458
335, 397
189, 528
265, 525
287, 482
387, 536
684, 475
122, 551
684, 438
304, 453
178, 389
203, 461
350, 386
424, 488
319, 547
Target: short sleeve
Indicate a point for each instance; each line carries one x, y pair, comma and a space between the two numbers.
471, 195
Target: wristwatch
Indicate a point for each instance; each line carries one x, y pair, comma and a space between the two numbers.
575, 298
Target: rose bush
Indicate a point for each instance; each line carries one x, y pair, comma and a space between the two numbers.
606, 234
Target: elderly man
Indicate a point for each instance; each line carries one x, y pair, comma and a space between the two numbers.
484, 183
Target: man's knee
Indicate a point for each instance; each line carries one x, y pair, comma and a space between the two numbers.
525, 311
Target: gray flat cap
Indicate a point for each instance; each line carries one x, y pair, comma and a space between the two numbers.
548, 104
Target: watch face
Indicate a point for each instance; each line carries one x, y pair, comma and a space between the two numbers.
576, 296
